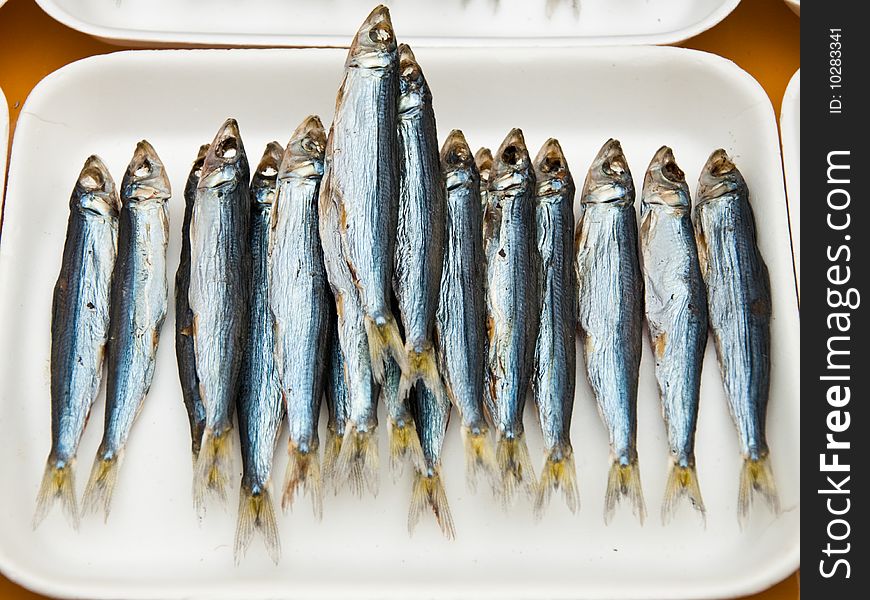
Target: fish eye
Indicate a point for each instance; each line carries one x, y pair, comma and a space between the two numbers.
511, 155
672, 172
144, 170
380, 34
310, 145
228, 148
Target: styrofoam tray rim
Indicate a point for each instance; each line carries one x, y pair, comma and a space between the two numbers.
119, 36
4, 144
767, 574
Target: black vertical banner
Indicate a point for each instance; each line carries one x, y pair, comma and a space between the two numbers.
835, 259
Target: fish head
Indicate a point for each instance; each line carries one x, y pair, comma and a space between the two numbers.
374, 45
511, 166
483, 160
457, 162
263, 182
609, 178
303, 157
413, 90
551, 172
196, 169
719, 177
225, 162
145, 179
95, 191
664, 182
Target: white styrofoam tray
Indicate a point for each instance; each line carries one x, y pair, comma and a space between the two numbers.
420, 22
790, 126
153, 546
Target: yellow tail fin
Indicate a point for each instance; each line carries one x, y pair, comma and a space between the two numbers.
382, 339
479, 458
358, 460
256, 513
331, 449
558, 473
756, 477
303, 470
404, 446
515, 468
213, 467
624, 481
682, 481
421, 366
57, 483
429, 492
101, 485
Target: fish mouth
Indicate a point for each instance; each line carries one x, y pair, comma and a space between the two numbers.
96, 191
305, 150
146, 178
375, 43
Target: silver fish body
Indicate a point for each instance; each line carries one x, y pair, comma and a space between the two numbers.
555, 349
218, 296
364, 177
739, 304
460, 323
431, 414
483, 163
260, 409
676, 314
184, 346
79, 328
357, 461
513, 304
300, 297
610, 313
140, 297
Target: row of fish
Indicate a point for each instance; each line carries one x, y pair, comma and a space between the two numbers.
366, 266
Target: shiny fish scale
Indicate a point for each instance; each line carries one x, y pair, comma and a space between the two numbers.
260, 408
139, 302
461, 315
610, 293
738, 291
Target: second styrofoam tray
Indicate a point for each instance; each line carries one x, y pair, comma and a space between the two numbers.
419, 22
153, 547
790, 125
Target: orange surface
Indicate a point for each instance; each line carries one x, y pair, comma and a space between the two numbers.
762, 36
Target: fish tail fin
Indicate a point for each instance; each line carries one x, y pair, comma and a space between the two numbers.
479, 457
101, 485
515, 467
421, 366
429, 492
404, 445
213, 467
57, 483
358, 460
383, 338
331, 449
256, 513
559, 473
303, 471
682, 481
756, 478
623, 480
